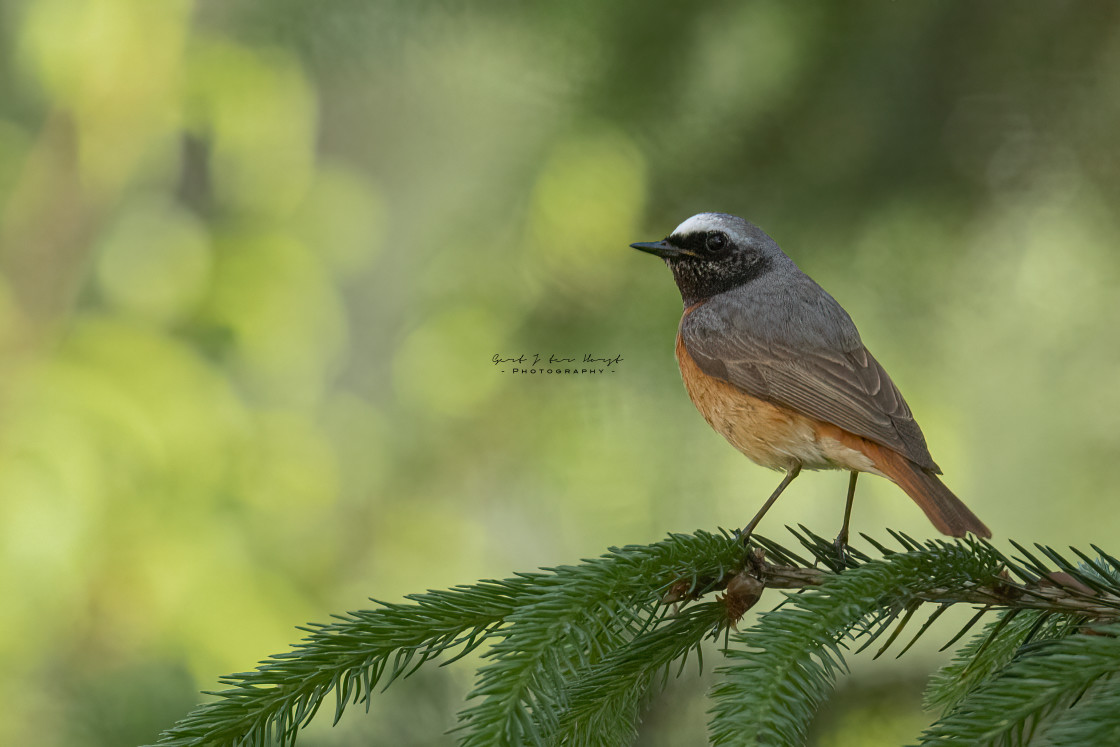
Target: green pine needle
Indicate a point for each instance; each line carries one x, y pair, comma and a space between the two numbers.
1010, 705
546, 624
1094, 719
989, 652
604, 701
572, 653
788, 660
590, 610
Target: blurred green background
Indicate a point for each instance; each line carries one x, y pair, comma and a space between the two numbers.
255, 260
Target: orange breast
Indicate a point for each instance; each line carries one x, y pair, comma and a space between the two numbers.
768, 434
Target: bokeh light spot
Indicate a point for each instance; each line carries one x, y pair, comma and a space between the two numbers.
444, 366
155, 261
586, 208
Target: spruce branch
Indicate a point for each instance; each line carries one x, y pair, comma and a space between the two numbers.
604, 700
1011, 705
572, 652
591, 610
1093, 720
1072, 589
349, 658
786, 663
991, 650
563, 610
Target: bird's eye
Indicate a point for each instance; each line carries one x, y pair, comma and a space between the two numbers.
716, 242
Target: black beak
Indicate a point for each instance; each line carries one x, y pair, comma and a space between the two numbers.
661, 249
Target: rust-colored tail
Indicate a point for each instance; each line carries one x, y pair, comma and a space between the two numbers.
947, 512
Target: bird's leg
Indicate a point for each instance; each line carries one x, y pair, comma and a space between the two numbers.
745, 535
841, 541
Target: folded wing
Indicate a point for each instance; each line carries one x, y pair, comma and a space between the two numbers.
811, 362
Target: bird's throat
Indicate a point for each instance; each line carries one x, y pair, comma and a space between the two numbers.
699, 279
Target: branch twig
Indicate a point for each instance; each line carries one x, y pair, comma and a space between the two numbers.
1053, 592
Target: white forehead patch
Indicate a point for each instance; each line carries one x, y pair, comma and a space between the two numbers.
699, 224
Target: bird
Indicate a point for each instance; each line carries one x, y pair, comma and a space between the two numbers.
776, 366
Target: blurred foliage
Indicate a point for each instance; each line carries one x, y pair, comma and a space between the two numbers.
255, 259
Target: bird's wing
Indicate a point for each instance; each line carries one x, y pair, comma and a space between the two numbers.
819, 369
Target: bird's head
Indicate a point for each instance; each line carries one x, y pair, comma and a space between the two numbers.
711, 253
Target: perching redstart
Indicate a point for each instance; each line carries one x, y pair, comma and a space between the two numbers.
776, 366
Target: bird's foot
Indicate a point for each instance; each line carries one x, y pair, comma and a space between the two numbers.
841, 545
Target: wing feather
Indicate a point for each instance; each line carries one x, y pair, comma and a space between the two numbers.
812, 363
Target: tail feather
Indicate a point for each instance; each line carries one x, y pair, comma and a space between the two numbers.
946, 511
